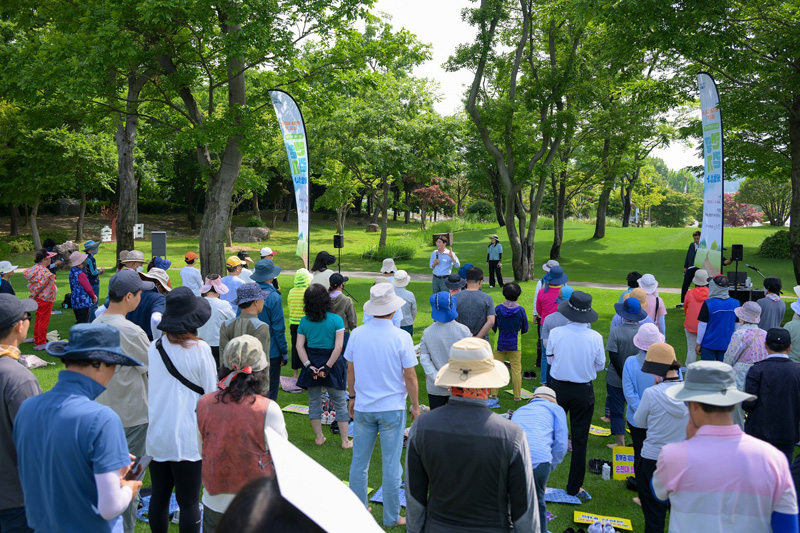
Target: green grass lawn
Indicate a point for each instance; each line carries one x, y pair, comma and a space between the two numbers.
609, 497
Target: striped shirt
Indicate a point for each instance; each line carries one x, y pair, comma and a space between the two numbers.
708, 495
295, 301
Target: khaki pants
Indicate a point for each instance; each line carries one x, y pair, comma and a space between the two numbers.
515, 358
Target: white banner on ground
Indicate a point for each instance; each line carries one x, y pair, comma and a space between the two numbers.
294, 137
709, 253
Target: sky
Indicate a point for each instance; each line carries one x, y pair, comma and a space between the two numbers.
438, 22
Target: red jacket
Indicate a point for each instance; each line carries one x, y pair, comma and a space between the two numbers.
691, 306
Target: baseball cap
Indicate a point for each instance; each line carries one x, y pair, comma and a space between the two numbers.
190, 256
12, 308
778, 339
267, 251
126, 281
337, 279
234, 261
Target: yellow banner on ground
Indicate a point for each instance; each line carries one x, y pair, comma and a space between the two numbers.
588, 518
622, 462
599, 431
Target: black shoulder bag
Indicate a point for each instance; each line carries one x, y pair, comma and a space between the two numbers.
174, 371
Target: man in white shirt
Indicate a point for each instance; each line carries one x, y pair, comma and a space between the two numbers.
576, 353
190, 276
126, 393
380, 376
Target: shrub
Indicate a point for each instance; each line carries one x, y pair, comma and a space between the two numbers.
254, 222
776, 246
545, 223
16, 245
159, 207
481, 210
400, 250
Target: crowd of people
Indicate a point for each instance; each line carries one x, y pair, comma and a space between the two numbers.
187, 378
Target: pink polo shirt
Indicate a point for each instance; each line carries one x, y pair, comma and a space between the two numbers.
723, 480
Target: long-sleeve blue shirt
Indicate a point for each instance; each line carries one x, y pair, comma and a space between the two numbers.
272, 314
634, 383
545, 426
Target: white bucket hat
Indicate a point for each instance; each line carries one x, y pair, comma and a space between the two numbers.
648, 283
709, 382
700, 278
472, 366
388, 266
401, 278
6, 267
550, 264
383, 300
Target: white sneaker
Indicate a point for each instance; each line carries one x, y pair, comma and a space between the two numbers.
176, 516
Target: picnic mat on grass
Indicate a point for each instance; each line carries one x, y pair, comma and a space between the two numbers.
289, 384
378, 496
294, 408
553, 495
524, 394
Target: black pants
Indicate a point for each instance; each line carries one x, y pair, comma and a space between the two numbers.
538, 342
687, 280
437, 401
274, 377
215, 355
654, 510
637, 436
297, 364
184, 476
577, 399
82, 315
493, 268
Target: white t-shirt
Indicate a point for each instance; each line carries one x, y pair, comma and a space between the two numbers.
220, 312
191, 277
172, 433
323, 278
245, 274
379, 352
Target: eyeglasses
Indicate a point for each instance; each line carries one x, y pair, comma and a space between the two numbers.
26, 316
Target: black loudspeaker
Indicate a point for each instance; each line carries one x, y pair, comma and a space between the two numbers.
338, 241
737, 252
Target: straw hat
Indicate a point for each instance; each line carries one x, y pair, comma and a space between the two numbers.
382, 300
647, 335
711, 383
472, 366
750, 312
648, 283
640, 295
660, 357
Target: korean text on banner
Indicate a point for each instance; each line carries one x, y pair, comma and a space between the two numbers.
709, 252
623, 462
294, 137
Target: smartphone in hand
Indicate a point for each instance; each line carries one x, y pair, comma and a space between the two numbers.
136, 473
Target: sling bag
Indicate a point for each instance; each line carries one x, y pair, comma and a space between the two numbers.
174, 371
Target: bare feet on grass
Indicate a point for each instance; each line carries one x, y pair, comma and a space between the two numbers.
605, 419
347, 444
320, 441
401, 521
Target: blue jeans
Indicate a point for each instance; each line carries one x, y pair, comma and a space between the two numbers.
545, 369
13, 521
540, 475
707, 354
616, 406
274, 377
391, 425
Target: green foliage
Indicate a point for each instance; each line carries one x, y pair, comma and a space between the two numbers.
254, 222
773, 194
546, 223
776, 246
482, 210
15, 245
402, 250
676, 210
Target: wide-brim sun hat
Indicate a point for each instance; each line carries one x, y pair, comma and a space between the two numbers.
630, 309
750, 312
640, 295
462, 272
159, 275
558, 276
647, 335
382, 300
184, 311
401, 278
700, 278
6, 267
134, 256
795, 306
550, 264
122, 255
454, 282
249, 292
648, 283
77, 258
388, 266
578, 308
472, 365
90, 245
711, 383
659, 359
265, 269
443, 307
92, 342
159, 262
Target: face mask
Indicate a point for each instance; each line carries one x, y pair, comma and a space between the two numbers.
140, 269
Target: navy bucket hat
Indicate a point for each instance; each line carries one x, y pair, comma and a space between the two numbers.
91, 342
265, 269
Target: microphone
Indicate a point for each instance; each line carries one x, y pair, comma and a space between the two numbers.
751, 266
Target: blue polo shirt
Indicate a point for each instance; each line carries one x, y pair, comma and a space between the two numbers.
63, 438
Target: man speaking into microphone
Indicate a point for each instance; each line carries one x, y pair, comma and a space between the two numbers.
688, 265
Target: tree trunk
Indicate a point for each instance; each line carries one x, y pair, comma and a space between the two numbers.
191, 206
559, 213
357, 201
602, 203
408, 205
376, 207
125, 137
81, 218
384, 211
37, 241
794, 220
288, 211
27, 218
497, 193
14, 212
256, 210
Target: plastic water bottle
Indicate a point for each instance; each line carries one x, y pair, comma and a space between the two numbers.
606, 472
748, 282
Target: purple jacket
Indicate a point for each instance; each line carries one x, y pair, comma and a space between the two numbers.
510, 321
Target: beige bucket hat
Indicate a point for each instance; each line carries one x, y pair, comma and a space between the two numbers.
472, 366
383, 300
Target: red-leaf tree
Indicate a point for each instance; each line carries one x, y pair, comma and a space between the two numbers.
739, 214
431, 197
